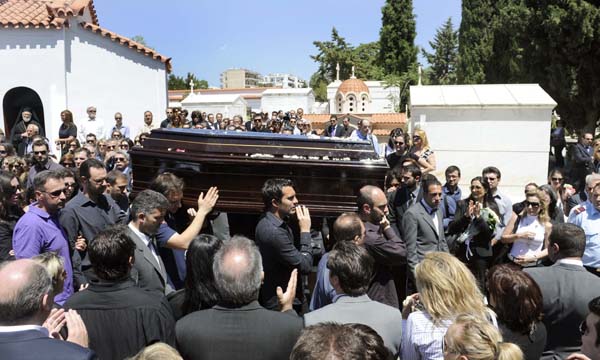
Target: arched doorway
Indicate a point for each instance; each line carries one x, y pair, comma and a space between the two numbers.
14, 100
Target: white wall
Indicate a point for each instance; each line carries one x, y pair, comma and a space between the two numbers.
113, 78
228, 110
34, 58
285, 102
515, 140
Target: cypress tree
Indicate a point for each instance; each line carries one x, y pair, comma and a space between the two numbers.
397, 37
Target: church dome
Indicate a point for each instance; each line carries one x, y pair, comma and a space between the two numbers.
354, 85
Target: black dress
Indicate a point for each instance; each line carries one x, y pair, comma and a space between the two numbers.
7, 227
64, 132
531, 344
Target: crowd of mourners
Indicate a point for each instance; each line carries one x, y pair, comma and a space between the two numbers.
420, 270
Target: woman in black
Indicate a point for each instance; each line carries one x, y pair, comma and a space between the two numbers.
67, 131
199, 291
517, 301
557, 216
477, 253
10, 212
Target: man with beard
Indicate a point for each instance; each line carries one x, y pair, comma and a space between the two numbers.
18, 134
41, 160
275, 240
117, 189
38, 231
87, 214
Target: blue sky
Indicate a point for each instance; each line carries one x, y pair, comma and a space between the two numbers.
208, 37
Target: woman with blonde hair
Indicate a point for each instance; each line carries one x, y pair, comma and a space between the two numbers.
473, 338
446, 288
528, 231
55, 266
423, 151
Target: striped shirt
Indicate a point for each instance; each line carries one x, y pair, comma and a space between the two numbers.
421, 339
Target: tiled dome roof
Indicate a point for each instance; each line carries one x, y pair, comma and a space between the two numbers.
353, 85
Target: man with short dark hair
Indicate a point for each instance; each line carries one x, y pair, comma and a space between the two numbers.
347, 227
257, 124
334, 129
566, 289
25, 303
331, 340
407, 195
38, 230
121, 318
590, 331
41, 161
124, 130
275, 240
582, 158
87, 214
422, 225
117, 189
382, 242
238, 327
351, 268
451, 187
493, 176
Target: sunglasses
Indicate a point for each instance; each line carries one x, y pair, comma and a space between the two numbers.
70, 185
40, 152
13, 190
416, 138
398, 143
557, 179
55, 193
124, 146
118, 118
532, 204
91, 141
120, 159
111, 147
2, 151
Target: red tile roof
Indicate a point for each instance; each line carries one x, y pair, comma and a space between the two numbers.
43, 13
125, 41
395, 119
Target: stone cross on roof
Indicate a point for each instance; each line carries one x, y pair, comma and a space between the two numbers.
192, 85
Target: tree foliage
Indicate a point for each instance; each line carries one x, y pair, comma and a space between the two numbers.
444, 58
180, 83
397, 37
475, 40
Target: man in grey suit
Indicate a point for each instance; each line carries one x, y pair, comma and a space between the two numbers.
423, 227
567, 288
351, 268
148, 212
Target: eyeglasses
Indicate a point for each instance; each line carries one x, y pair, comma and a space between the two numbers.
44, 152
111, 147
532, 204
70, 185
92, 111
118, 118
124, 146
55, 193
13, 189
91, 141
68, 164
2, 151
120, 159
557, 179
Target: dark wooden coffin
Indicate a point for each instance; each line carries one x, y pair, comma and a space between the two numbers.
327, 172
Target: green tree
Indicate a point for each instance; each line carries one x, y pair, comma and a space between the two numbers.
365, 58
140, 39
475, 40
444, 58
180, 83
397, 37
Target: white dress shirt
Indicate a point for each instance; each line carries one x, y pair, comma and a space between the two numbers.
146, 240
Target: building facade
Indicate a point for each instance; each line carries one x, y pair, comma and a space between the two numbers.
240, 78
283, 81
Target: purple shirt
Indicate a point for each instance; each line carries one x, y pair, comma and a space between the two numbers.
37, 232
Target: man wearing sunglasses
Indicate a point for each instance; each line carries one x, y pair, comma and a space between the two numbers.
590, 334
41, 161
124, 130
38, 231
566, 289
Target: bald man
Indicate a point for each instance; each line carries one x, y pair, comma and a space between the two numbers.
26, 300
238, 327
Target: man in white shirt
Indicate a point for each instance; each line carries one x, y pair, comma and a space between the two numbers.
364, 133
92, 125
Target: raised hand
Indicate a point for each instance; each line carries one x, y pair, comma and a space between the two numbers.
286, 299
54, 323
77, 330
207, 203
303, 218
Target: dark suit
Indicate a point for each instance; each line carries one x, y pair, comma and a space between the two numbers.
248, 332
146, 272
420, 235
34, 345
583, 164
402, 200
334, 131
566, 291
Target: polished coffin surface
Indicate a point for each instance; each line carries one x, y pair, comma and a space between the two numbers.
327, 172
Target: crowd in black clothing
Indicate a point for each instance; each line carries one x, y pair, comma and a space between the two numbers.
100, 274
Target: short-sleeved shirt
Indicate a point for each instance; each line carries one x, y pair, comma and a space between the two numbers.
38, 232
587, 217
